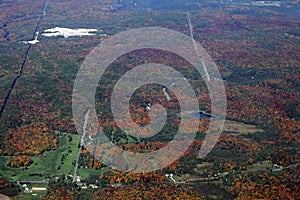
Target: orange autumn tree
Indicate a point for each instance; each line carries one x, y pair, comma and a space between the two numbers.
20, 161
146, 191
59, 194
31, 139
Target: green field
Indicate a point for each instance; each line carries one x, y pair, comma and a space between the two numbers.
47, 165
84, 173
30, 196
50, 164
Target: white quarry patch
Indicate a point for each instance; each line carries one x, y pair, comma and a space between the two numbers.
32, 41
68, 32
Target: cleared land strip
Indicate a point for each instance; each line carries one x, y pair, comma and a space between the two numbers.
22, 67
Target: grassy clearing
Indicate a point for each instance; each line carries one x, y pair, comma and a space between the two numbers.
47, 165
260, 166
85, 173
239, 128
50, 164
30, 196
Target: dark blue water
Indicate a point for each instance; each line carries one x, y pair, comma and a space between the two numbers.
202, 115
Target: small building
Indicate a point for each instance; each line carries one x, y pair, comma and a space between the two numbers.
78, 178
39, 189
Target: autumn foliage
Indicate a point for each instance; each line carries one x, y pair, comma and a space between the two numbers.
146, 191
32, 139
20, 161
267, 186
59, 194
